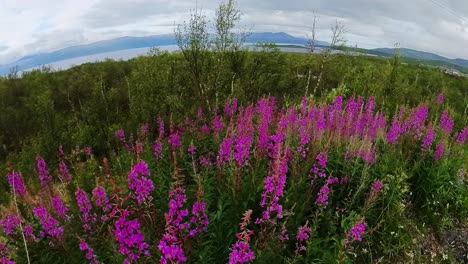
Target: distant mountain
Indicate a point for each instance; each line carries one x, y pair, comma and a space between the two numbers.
421, 56
119, 45
126, 43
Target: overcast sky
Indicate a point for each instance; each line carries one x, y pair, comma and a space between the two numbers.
32, 26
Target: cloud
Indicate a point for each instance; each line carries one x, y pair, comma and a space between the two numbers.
439, 26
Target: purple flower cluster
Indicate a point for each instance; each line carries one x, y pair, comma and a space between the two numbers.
120, 134
439, 152
446, 122
43, 172
171, 245
356, 232
199, 218
174, 139
131, 240
85, 207
4, 255
157, 149
65, 175
322, 198
302, 235
461, 136
10, 224
59, 207
428, 139
224, 153
141, 186
100, 198
273, 190
89, 251
16, 182
241, 253
377, 186
49, 224
318, 168
440, 99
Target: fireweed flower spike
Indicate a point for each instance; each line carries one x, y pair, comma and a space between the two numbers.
64, 173
89, 251
10, 224
302, 235
43, 172
461, 136
49, 224
131, 240
85, 207
139, 184
171, 244
16, 183
356, 232
240, 251
59, 207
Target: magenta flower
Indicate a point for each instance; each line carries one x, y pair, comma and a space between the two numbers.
49, 224
191, 149
241, 253
4, 255
16, 182
171, 245
85, 207
10, 224
174, 139
199, 218
100, 198
131, 240
461, 136
89, 251
377, 186
302, 235
64, 173
440, 99
120, 134
356, 232
157, 149
224, 153
446, 123
43, 172
322, 198
439, 152
428, 139
59, 207
140, 185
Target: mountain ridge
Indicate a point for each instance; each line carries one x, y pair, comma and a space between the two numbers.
131, 42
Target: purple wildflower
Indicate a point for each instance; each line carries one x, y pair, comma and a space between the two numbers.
49, 223
141, 186
439, 152
440, 99
131, 240
356, 232
120, 134
16, 182
199, 218
461, 136
171, 245
302, 235
428, 139
59, 207
89, 251
65, 175
241, 253
323, 195
157, 149
377, 186
10, 224
446, 123
43, 172
85, 207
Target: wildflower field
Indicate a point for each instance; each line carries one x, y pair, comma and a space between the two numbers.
310, 181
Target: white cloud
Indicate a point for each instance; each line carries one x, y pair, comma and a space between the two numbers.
28, 26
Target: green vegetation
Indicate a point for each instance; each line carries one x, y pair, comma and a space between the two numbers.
327, 158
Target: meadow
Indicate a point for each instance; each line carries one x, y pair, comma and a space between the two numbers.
218, 154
